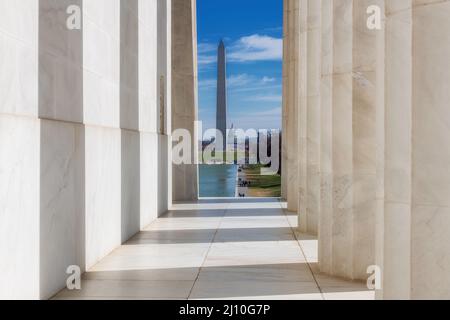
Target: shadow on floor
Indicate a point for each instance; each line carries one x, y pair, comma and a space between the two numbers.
207, 235
217, 251
274, 281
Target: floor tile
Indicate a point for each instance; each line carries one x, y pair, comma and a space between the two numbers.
130, 289
217, 249
145, 274
258, 290
254, 234
297, 272
254, 253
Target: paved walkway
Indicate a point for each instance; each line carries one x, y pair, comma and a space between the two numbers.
229, 250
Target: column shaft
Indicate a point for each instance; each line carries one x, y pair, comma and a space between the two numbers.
395, 223
184, 93
430, 218
342, 141
291, 136
313, 114
325, 221
302, 114
365, 86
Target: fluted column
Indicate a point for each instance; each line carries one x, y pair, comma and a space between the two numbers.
184, 93
395, 223
416, 218
302, 114
350, 92
284, 115
309, 217
164, 105
430, 221
366, 84
148, 112
380, 138
290, 137
342, 142
325, 221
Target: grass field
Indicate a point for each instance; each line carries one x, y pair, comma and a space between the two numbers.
262, 185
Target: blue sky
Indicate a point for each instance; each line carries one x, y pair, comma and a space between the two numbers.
252, 32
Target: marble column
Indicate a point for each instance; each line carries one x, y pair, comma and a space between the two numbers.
184, 94
380, 138
325, 221
42, 143
430, 219
62, 153
164, 103
284, 166
102, 119
393, 243
291, 133
352, 66
148, 111
366, 82
83, 125
342, 142
20, 147
416, 217
301, 74
309, 223
129, 118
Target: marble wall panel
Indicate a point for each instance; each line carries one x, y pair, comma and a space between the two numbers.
103, 192
19, 209
61, 203
130, 183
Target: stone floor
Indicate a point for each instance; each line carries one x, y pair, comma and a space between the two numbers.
245, 249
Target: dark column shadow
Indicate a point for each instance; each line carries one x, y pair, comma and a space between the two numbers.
221, 282
129, 118
62, 148
207, 235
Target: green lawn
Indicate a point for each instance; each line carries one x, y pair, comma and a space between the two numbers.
262, 185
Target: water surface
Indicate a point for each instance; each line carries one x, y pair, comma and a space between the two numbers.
217, 181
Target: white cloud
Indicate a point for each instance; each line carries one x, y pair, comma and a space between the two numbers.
267, 80
206, 47
239, 82
256, 48
271, 112
266, 98
205, 59
206, 55
207, 84
250, 48
233, 81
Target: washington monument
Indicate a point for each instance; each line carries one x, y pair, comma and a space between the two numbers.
221, 112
